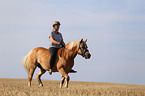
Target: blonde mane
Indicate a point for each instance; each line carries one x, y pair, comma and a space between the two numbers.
72, 44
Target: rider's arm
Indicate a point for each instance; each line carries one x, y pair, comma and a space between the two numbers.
62, 42
53, 41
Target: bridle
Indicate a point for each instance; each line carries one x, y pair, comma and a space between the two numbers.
82, 52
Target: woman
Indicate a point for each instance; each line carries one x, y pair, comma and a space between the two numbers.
56, 42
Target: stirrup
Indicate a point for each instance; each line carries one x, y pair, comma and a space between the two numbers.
50, 73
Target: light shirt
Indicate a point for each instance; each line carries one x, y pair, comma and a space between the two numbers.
56, 37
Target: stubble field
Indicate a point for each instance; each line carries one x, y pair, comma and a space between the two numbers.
18, 87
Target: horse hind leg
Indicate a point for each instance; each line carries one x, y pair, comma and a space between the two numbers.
32, 69
38, 75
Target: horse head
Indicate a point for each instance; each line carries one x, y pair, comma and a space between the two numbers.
83, 49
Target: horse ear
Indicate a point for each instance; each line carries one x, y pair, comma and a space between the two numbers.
81, 40
86, 40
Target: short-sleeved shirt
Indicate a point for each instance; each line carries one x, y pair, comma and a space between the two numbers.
56, 37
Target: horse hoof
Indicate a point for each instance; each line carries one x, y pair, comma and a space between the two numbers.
29, 85
66, 86
60, 86
40, 84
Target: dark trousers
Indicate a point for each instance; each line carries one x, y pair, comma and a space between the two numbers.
53, 52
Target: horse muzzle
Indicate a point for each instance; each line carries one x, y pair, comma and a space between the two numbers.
87, 55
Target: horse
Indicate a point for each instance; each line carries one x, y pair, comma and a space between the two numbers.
64, 60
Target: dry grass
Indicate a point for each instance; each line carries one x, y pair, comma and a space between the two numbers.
18, 87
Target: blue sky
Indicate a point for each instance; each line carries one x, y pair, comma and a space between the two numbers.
114, 29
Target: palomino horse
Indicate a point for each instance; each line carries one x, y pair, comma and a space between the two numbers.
64, 61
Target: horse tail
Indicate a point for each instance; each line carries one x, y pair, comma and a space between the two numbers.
26, 62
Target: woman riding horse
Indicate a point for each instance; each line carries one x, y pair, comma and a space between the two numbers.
56, 42
64, 60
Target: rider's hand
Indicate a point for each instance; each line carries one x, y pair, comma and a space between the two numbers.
62, 45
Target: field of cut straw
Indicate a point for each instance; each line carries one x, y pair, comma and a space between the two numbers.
18, 87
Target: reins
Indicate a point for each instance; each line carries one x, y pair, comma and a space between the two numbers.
71, 50
77, 51
83, 53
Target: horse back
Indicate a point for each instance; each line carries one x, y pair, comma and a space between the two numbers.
43, 57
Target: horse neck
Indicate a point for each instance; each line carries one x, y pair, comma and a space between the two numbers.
71, 51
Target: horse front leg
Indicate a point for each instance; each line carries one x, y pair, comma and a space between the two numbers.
67, 81
62, 81
62, 71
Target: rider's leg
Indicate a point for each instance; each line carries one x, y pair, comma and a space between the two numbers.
53, 52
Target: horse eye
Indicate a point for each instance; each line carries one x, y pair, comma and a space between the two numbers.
85, 47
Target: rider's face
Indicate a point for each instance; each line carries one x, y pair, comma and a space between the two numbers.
56, 27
